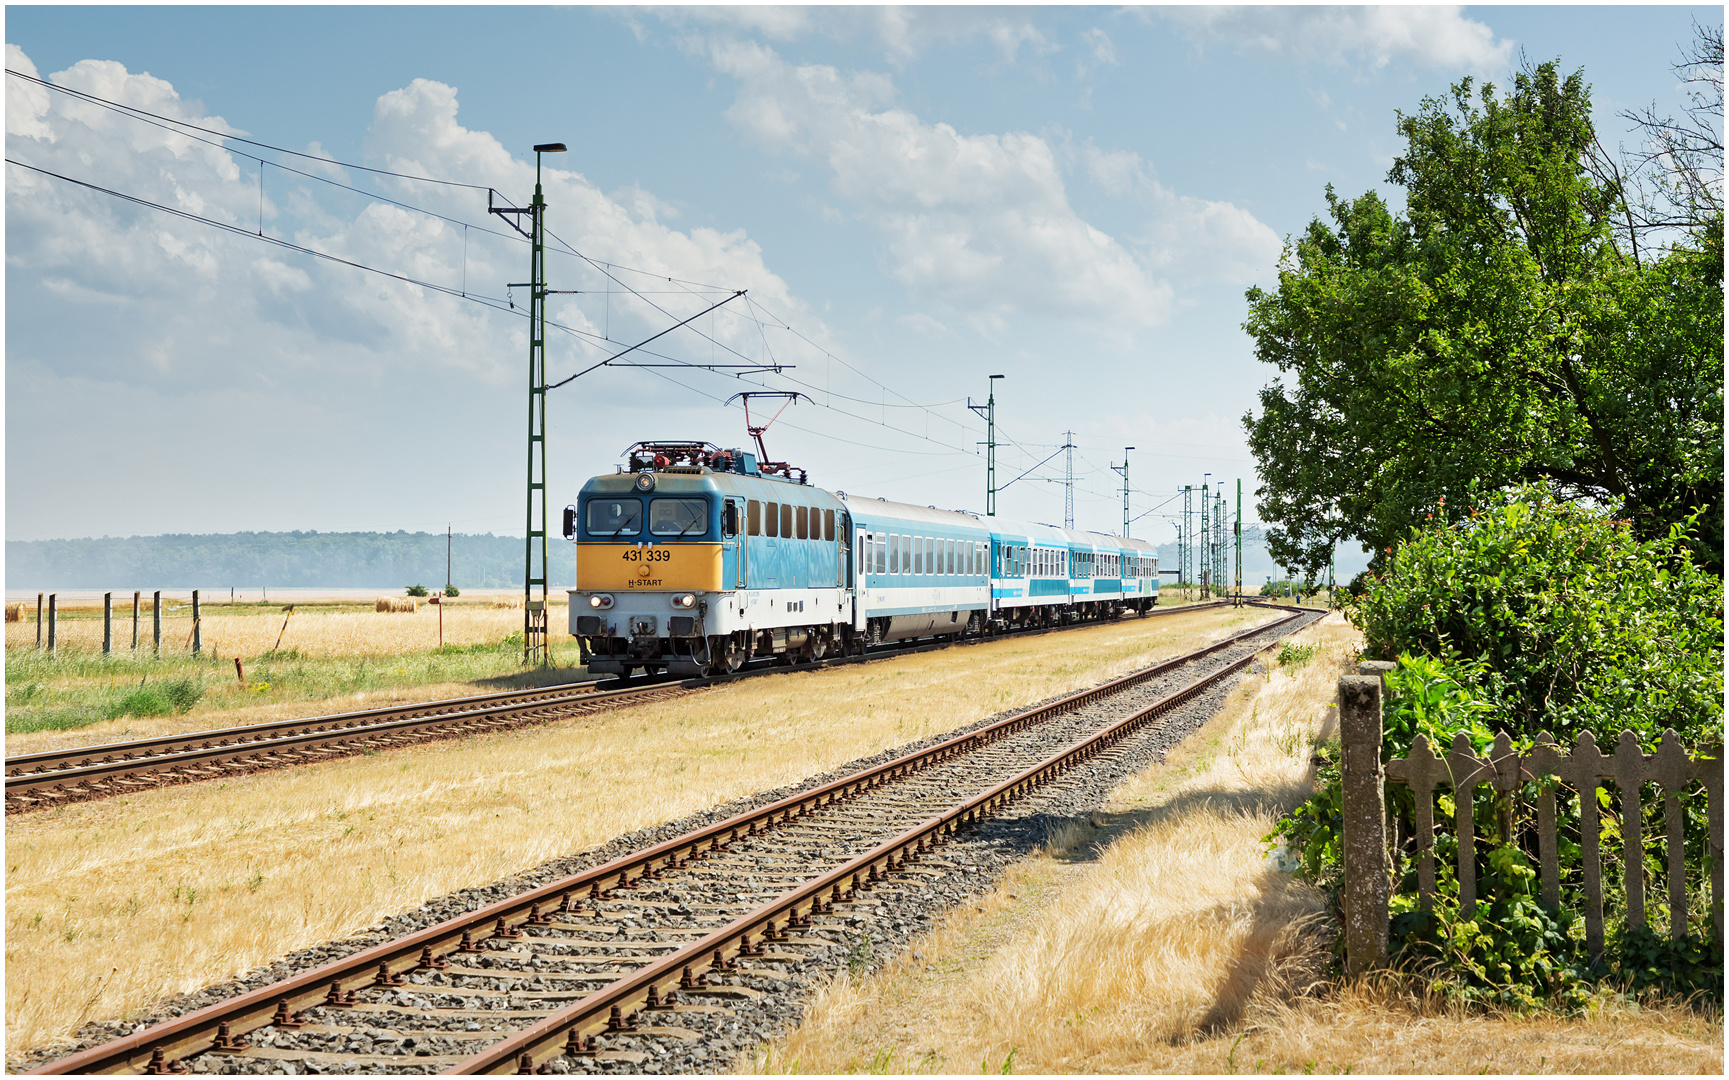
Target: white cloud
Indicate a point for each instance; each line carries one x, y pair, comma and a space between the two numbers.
979, 223
1104, 51
164, 279
1195, 238
903, 33
1430, 36
115, 307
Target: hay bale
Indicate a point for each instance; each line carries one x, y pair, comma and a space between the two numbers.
507, 602
401, 604
15, 612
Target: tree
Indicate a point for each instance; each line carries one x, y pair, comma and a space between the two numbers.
1494, 333
1674, 177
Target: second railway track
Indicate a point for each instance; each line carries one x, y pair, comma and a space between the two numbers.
60, 777
670, 957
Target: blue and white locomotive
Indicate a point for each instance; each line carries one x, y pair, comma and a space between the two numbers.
694, 560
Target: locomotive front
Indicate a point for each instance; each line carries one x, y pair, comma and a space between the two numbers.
653, 549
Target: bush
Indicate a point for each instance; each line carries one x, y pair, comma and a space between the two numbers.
417, 590
452, 590
160, 699
1577, 625
1528, 615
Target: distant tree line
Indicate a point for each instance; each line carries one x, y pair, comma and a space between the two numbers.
252, 559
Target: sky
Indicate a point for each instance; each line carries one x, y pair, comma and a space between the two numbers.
912, 199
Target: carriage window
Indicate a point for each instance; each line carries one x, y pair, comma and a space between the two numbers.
614, 517
931, 548
773, 519
894, 554
678, 517
786, 520
918, 555
882, 547
947, 556
755, 518
801, 515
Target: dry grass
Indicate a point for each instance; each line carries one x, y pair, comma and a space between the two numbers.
112, 905
1154, 937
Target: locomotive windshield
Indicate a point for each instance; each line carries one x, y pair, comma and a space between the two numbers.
678, 517
615, 517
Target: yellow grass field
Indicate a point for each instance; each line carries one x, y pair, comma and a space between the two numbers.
113, 905
1155, 937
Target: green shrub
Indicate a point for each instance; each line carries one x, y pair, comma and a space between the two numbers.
1577, 625
417, 590
1293, 655
452, 590
1529, 615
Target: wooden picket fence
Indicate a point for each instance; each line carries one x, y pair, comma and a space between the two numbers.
1371, 841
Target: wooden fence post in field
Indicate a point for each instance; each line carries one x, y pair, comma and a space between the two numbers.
197, 638
107, 623
53, 611
136, 597
156, 621
1364, 892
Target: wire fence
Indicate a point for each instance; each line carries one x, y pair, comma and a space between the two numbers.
149, 623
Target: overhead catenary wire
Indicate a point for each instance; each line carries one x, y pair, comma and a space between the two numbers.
219, 139
760, 314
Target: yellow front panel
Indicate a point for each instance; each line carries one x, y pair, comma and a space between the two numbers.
660, 568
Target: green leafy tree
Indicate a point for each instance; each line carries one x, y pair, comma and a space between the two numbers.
1494, 332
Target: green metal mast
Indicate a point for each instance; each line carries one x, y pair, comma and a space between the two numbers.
989, 411
1125, 471
534, 637
1239, 540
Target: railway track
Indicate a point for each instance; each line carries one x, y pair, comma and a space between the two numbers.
60, 777
653, 961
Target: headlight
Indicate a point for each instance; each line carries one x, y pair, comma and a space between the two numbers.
600, 600
688, 600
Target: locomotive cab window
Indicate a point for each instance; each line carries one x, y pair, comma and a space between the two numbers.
755, 518
614, 517
828, 524
678, 517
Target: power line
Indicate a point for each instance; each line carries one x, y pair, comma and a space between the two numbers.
145, 113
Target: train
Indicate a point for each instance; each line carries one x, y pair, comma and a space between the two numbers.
695, 560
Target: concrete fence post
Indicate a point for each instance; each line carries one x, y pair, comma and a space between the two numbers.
136, 597
1364, 892
197, 637
38, 620
107, 623
53, 621
156, 621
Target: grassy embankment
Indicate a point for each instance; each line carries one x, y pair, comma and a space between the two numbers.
333, 657
1155, 937
112, 905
